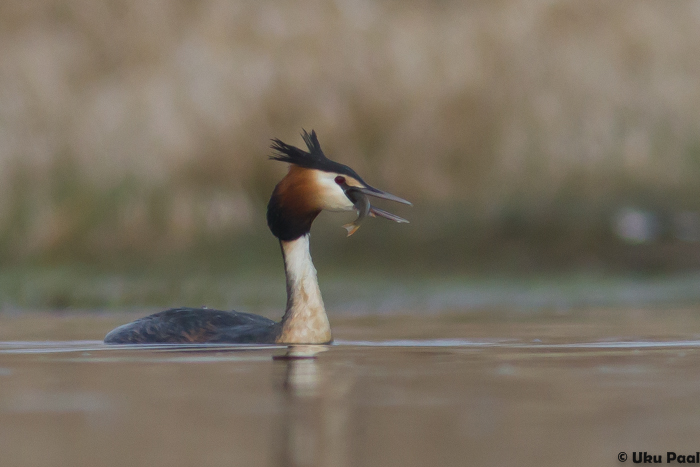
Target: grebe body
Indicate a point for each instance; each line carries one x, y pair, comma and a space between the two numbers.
196, 325
314, 183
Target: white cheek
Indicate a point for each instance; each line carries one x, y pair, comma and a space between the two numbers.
332, 196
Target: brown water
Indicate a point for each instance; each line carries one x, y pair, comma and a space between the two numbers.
446, 390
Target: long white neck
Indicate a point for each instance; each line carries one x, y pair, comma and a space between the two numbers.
305, 320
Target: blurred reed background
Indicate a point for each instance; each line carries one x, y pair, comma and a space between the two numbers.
538, 135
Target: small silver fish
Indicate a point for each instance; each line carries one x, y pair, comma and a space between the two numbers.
363, 207
361, 203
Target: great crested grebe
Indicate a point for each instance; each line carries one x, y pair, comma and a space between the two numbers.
313, 183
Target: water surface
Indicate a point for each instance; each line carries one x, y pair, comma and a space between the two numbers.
438, 390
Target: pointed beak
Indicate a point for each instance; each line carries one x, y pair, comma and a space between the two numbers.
374, 211
371, 191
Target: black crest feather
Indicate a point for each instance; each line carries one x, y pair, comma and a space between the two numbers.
311, 159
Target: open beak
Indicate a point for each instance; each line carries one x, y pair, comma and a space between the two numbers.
376, 212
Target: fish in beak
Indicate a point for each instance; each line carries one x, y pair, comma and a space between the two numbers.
358, 196
313, 175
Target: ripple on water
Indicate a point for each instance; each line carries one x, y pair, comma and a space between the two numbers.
55, 347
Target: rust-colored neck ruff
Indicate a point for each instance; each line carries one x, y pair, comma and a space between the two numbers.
294, 204
305, 320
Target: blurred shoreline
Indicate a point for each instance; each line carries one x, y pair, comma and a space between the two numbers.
79, 288
531, 135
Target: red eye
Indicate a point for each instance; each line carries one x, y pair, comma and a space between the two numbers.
339, 180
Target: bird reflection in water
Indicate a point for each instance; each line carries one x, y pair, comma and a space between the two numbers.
311, 432
302, 377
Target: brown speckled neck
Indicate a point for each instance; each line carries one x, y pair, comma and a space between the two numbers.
305, 320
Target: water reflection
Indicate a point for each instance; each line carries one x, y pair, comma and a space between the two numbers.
302, 378
311, 431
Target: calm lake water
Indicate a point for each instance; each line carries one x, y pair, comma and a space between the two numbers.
440, 390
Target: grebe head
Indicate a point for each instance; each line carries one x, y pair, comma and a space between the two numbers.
315, 183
